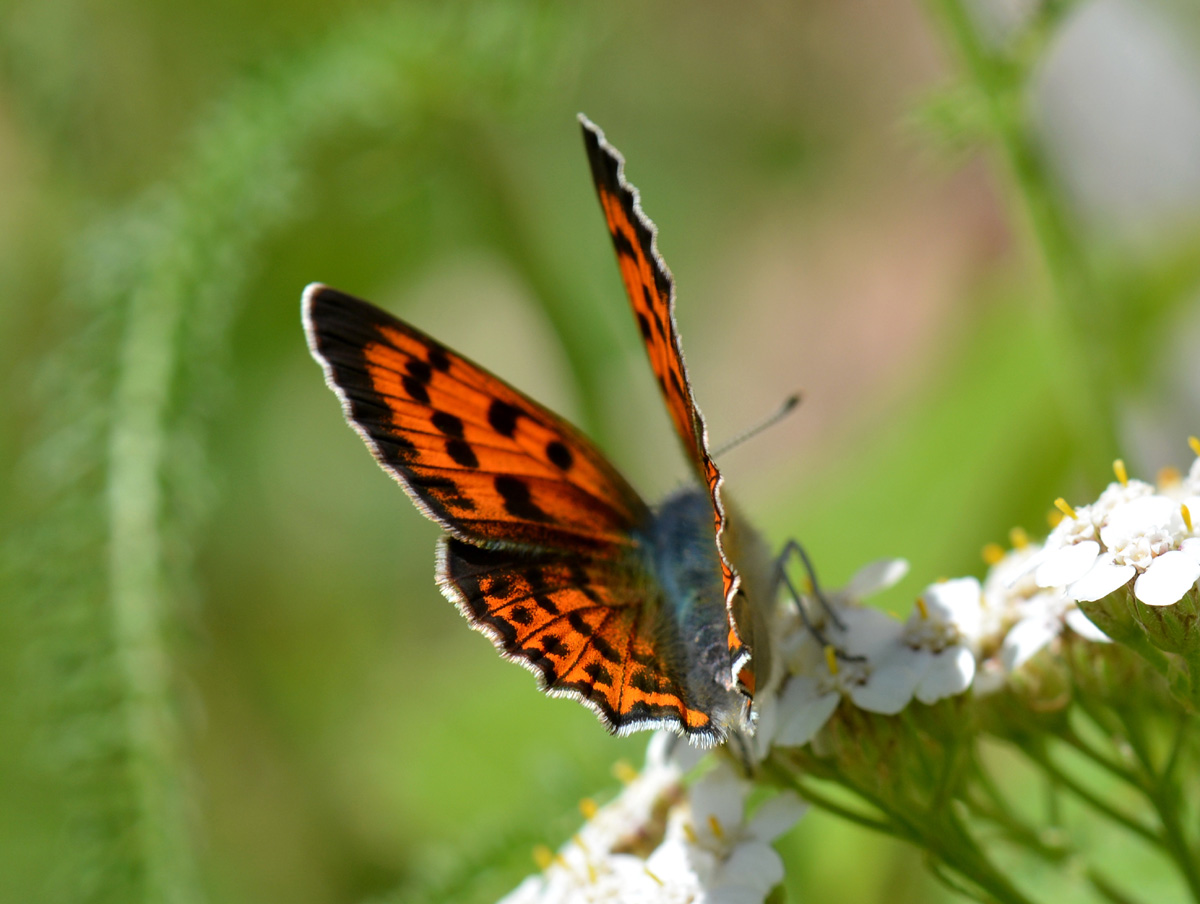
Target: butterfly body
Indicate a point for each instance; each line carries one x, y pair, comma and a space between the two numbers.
686, 567
643, 614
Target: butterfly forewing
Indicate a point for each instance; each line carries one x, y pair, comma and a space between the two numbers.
479, 457
651, 290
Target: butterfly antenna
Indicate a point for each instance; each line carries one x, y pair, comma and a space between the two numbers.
784, 410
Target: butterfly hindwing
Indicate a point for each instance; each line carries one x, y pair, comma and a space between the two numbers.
479, 457
588, 627
651, 290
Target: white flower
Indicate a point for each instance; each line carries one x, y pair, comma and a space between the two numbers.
810, 690
1141, 539
1071, 548
1006, 589
1117, 494
1041, 623
705, 851
1020, 618
943, 633
709, 840
872, 578
875, 671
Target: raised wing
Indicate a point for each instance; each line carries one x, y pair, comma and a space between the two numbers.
651, 291
485, 461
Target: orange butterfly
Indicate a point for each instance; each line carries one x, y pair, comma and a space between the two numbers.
639, 613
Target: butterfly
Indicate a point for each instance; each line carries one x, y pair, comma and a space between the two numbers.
652, 617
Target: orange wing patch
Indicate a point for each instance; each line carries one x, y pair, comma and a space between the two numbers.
580, 627
482, 459
651, 290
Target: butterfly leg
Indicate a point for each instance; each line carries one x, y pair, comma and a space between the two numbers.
741, 747
782, 578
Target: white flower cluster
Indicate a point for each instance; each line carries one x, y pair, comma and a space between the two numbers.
1133, 532
963, 634
665, 840
662, 841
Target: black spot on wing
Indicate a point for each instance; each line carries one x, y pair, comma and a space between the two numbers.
462, 453
644, 326
677, 385
575, 620
396, 446
553, 645
415, 389
598, 673
444, 490
503, 417
448, 424
437, 359
418, 370
517, 501
651, 305
560, 455
645, 682
536, 580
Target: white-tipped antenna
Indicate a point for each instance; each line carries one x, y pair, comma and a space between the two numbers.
784, 410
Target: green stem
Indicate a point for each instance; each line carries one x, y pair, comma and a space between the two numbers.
1176, 842
1164, 797
944, 875
938, 831
1110, 766
1030, 839
780, 775
1043, 760
964, 855
1016, 831
1177, 747
1192, 658
1107, 890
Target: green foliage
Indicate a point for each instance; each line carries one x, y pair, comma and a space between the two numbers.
207, 656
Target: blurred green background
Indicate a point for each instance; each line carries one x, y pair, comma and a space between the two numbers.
968, 231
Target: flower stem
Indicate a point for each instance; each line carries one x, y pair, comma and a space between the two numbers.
1042, 759
935, 829
783, 776
1164, 796
1107, 890
1106, 763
